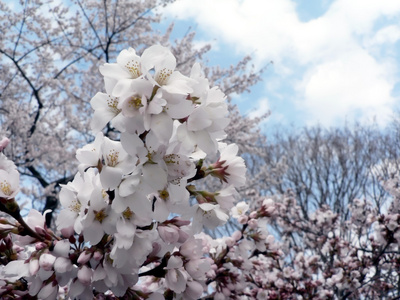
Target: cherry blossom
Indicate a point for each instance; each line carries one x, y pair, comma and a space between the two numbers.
9, 178
132, 218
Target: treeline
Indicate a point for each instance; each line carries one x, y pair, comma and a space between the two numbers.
330, 166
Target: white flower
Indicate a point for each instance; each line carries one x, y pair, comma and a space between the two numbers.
106, 109
90, 154
209, 215
123, 73
197, 268
131, 104
163, 61
230, 168
200, 84
240, 209
9, 178
126, 228
132, 193
176, 276
226, 197
15, 269
74, 198
206, 124
116, 163
100, 218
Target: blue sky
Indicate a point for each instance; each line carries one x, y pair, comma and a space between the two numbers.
334, 60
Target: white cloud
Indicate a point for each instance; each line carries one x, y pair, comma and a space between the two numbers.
344, 74
387, 35
351, 86
260, 109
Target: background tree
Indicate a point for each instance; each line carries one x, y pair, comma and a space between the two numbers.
332, 167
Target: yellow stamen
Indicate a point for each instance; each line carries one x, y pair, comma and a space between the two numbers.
100, 215
6, 188
133, 68
163, 76
113, 104
164, 194
75, 206
135, 102
112, 158
127, 213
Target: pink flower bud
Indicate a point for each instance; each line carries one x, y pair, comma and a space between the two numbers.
4, 143
61, 248
179, 222
84, 257
85, 275
270, 239
237, 235
243, 219
253, 215
229, 241
40, 246
97, 255
211, 274
169, 234
268, 202
270, 210
46, 261
40, 230
183, 236
62, 265
253, 223
68, 231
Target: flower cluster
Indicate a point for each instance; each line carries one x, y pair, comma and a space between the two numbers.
132, 218
133, 209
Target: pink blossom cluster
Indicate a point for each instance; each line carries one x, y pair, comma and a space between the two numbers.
278, 253
129, 218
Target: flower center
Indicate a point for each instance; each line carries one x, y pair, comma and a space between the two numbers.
135, 102
75, 206
133, 68
172, 159
164, 194
112, 104
112, 158
100, 215
6, 188
163, 76
127, 214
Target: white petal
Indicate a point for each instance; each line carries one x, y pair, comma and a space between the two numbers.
93, 233
162, 125
110, 177
159, 57
114, 71
62, 248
